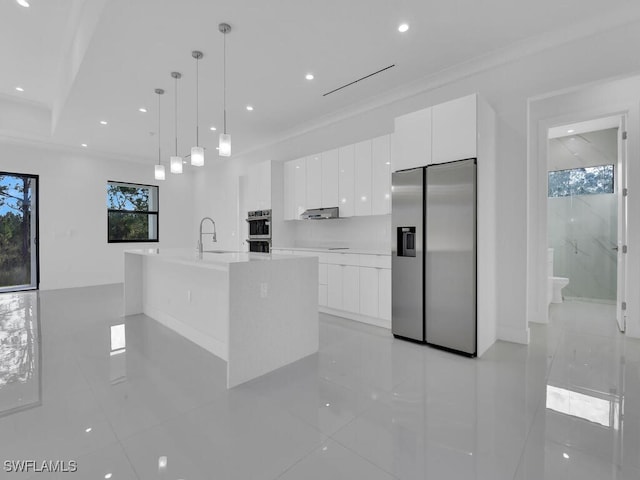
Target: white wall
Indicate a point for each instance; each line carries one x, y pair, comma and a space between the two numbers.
370, 232
507, 87
600, 100
73, 215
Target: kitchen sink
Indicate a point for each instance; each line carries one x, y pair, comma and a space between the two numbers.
216, 251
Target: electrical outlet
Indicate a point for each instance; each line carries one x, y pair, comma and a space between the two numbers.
264, 290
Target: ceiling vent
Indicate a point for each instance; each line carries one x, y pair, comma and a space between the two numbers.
358, 80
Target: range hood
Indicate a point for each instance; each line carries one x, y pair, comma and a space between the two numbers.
320, 213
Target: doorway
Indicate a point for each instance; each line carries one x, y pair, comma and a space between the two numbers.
585, 215
18, 232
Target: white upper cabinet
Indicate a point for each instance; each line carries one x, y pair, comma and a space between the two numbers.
411, 145
355, 178
300, 186
346, 181
363, 177
454, 130
330, 183
289, 191
259, 186
381, 175
314, 181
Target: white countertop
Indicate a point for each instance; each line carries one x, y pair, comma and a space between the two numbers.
218, 259
359, 251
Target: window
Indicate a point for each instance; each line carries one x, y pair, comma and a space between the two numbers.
581, 181
132, 212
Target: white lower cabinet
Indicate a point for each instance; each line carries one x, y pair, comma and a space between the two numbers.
334, 286
322, 273
384, 293
357, 284
323, 295
369, 291
350, 288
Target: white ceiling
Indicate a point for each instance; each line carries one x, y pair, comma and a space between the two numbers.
587, 149
88, 60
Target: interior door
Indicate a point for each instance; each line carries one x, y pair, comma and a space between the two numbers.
621, 171
18, 232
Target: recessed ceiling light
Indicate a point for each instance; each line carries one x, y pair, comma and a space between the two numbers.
213, 129
108, 476
23, 3
142, 109
83, 145
20, 89
570, 131
309, 76
565, 455
103, 122
250, 108
403, 27
87, 429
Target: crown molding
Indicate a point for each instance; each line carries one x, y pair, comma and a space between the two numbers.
12, 138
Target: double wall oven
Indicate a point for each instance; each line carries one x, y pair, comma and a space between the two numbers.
259, 222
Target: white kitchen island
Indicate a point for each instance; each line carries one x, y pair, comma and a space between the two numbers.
256, 311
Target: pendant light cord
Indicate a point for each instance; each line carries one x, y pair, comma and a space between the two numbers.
176, 115
197, 102
159, 129
224, 80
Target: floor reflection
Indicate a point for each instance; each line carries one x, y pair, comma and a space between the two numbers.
603, 409
20, 353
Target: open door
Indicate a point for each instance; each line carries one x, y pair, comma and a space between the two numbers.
18, 232
621, 171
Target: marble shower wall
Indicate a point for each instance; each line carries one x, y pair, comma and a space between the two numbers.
582, 231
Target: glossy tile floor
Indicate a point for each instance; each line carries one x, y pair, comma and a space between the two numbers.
129, 399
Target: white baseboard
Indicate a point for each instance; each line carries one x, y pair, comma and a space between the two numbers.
514, 335
212, 345
377, 322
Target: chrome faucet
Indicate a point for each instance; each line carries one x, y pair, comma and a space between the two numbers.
200, 248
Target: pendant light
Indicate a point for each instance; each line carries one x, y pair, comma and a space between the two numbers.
224, 145
176, 160
159, 168
197, 152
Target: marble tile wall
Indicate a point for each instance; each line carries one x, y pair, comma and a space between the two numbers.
582, 230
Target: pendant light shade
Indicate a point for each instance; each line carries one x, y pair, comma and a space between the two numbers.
224, 145
197, 152
176, 164
159, 172
197, 156
176, 160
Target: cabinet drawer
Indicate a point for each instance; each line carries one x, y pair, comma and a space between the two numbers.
384, 261
375, 261
348, 259
322, 273
333, 258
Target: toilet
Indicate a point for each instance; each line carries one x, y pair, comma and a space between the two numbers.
554, 284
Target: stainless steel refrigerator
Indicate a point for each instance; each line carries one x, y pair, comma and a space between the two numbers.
434, 255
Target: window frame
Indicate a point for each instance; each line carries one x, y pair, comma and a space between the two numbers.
155, 212
613, 180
